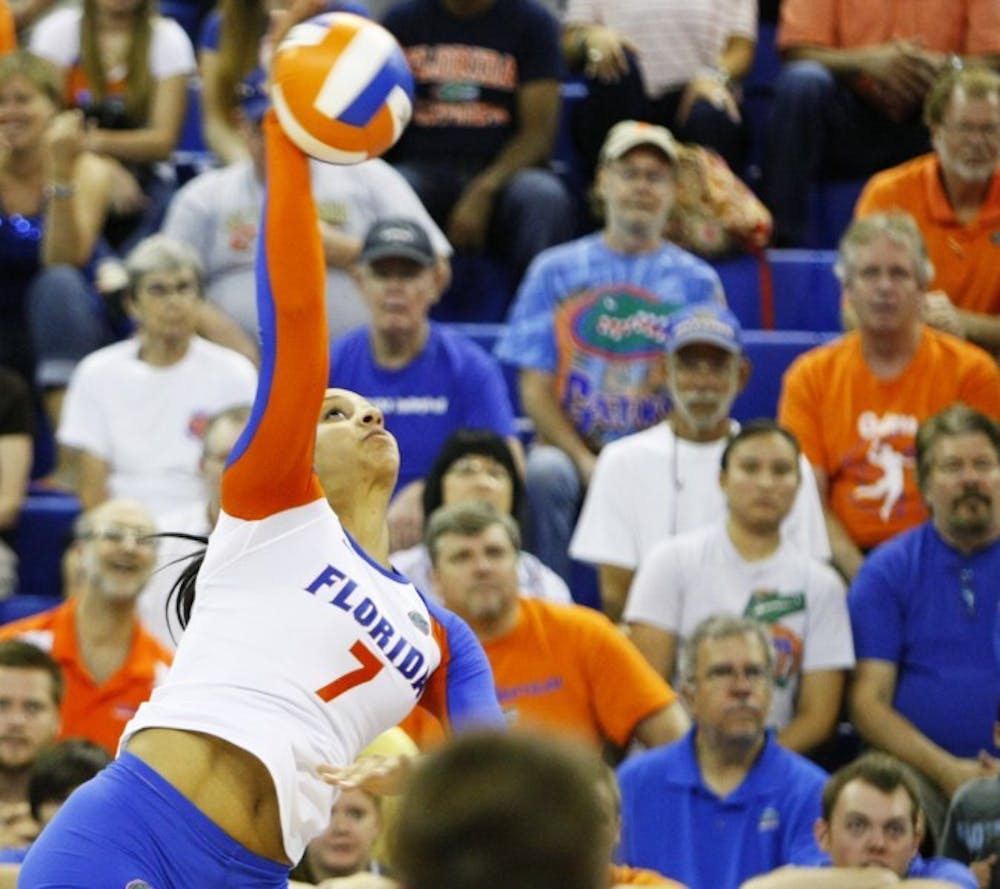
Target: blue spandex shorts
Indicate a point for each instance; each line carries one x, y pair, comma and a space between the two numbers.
129, 829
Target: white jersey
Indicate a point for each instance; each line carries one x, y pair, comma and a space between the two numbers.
651, 485
285, 639
696, 575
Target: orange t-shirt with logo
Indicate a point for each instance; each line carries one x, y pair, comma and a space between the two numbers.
966, 256
90, 710
569, 668
861, 430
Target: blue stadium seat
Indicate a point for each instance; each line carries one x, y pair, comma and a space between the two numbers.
25, 605
44, 529
831, 207
758, 91
770, 352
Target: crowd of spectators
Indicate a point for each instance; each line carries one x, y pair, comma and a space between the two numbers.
775, 595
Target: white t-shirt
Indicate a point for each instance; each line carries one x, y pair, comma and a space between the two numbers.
146, 422
57, 38
651, 485
691, 577
534, 578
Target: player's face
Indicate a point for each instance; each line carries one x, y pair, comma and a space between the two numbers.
478, 477
883, 287
117, 550
760, 481
638, 191
345, 847
704, 380
353, 447
25, 112
967, 140
963, 486
868, 828
476, 575
166, 305
29, 717
731, 693
400, 293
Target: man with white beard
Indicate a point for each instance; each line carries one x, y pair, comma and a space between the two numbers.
954, 195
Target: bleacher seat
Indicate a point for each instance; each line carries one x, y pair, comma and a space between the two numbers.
831, 207
44, 529
25, 605
805, 292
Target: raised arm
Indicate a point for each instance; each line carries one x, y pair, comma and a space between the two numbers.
270, 468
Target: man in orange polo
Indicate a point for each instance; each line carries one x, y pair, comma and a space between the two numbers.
110, 662
561, 667
954, 195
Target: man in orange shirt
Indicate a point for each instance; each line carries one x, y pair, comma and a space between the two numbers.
855, 404
558, 666
848, 103
110, 662
954, 195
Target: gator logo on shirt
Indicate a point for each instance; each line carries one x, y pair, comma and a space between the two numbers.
137, 884
770, 819
417, 619
627, 324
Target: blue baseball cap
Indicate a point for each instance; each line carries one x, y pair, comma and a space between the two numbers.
704, 323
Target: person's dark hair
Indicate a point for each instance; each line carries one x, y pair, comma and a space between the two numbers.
881, 771
478, 442
754, 429
958, 419
181, 595
20, 655
62, 767
497, 810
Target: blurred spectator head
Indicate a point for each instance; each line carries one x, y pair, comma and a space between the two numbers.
474, 464
347, 844
222, 431
499, 810
962, 112
116, 547
58, 771
31, 690
165, 286
37, 73
706, 369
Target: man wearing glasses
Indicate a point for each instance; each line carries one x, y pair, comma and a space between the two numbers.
725, 802
925, 613
587, 329
954, 195
109, 661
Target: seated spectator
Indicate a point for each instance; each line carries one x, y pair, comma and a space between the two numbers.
854, 404
726, 802
562, 667
476, 464
135, 410
954, 196
923, 613
55, 197
587, 330
870, 832
495, 811
58, 770
110, 661
131, 84
428, 381
663, 481
676, 63
17, 429
972, 826
185, 529
218, 214
848, 100
31, 692
346, 846
484, 123
739, 565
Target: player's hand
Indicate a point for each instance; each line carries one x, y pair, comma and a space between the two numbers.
381, 775
283, 20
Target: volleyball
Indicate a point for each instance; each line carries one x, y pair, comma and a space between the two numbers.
341, 88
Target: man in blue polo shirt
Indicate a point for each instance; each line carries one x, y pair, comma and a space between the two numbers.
428, 381
725, 802
870, 831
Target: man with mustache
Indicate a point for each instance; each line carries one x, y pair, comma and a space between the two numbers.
924, 612
725, 802
954, 194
